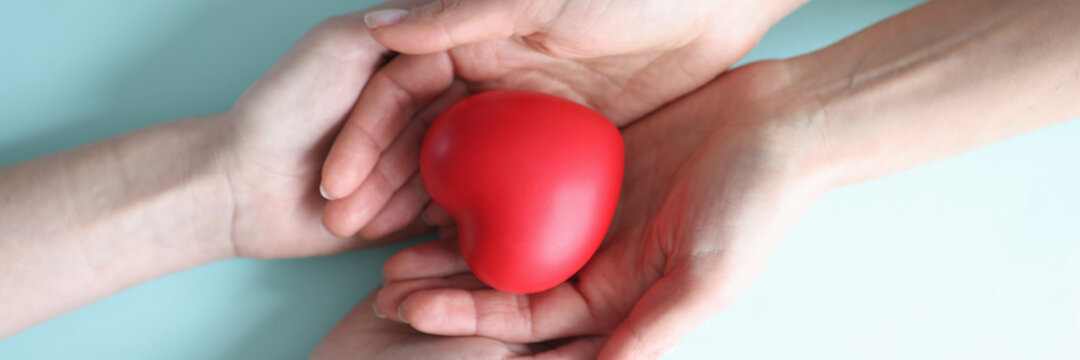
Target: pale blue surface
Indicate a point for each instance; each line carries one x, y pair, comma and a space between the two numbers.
972, 257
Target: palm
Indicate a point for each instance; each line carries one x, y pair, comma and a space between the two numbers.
706, 197
282, 128
362, 335
623, 58
623, 86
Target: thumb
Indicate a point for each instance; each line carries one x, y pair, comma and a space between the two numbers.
671, 308
443, 24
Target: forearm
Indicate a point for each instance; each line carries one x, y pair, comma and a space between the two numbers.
941, 79
80, 225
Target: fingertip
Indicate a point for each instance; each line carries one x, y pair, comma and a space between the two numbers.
322, 191
430, 259
447, 312
338, 178
437, 216
385, 17
392, 295
325, 230
400, 210
337, 219
401, 314
387, 298
444, 24
375, 309
352, 157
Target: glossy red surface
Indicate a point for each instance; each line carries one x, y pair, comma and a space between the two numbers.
532, 181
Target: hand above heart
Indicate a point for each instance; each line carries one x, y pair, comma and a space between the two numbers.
623, 58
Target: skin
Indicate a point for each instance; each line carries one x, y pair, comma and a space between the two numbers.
363, 335
750, 151
83, 224
715, 179
241, 183
623, 58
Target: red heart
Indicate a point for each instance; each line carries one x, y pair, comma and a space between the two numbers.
532, 181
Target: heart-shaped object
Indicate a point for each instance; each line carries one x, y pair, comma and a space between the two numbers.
532, 181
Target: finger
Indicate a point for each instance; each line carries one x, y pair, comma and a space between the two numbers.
360, 335
557, 313
332, 81
415, 228
391, 295
378, 210
385, 106
583, 348
399, 211
444, 24
348, 215
671, 308
437, 215
434, 259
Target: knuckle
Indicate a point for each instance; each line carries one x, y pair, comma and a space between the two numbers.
338, 37
554, 48
327, 27
444, 6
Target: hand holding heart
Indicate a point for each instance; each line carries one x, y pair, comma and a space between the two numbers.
532, 180
700, 210
624, 62
374, 167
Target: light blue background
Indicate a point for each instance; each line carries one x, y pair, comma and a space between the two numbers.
977, 256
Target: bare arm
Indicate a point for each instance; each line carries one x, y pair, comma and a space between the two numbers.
715, 179
83, 224
941, 79
80, 225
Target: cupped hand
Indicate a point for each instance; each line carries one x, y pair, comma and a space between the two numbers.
623, 58
363, 335
712, 183
279, 132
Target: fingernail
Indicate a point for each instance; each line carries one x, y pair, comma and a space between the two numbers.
327, 231
425, 219
323, 193
385, 17
400, 316
378, 314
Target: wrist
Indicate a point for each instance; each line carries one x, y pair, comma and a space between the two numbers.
778, 9
789, 126
213, 206
949, 83
83, 224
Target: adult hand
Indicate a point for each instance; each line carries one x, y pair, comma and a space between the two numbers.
279, 133
187, 192
622, 58
363, 335
715, 179
712, 183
